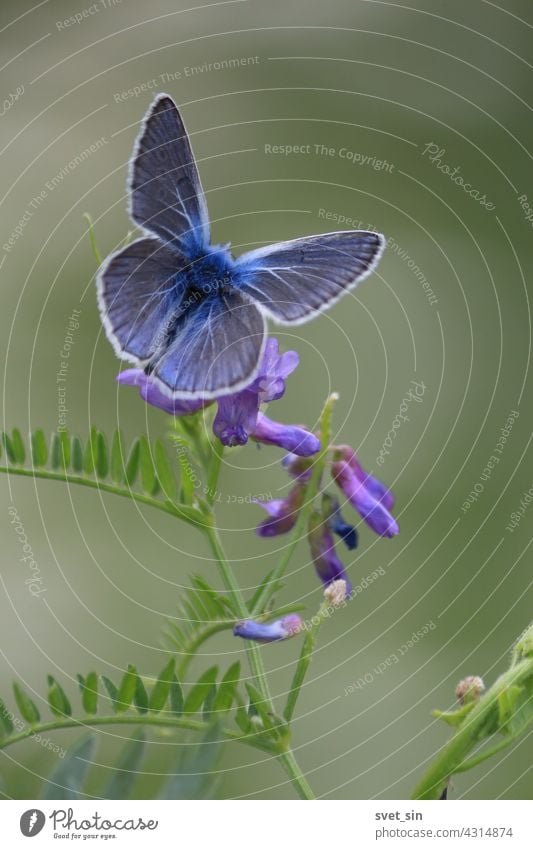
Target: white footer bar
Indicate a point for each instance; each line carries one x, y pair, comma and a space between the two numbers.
268, 824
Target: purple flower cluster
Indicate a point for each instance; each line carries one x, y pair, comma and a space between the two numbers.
371, 498
238, 416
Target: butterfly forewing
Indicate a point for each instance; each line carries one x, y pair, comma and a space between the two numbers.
166, 193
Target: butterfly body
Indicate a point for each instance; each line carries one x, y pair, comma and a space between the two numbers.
189, 312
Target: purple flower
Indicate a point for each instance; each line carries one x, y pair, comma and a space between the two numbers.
237, 414
282, 513
268, 632
150, 392
295, 439
275, 367
364, 496
328, 566
236, 417
300, 468
378, 489
337, 523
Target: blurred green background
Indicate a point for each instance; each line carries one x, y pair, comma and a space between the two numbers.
379, 79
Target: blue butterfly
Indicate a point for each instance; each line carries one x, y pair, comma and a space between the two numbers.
187, 311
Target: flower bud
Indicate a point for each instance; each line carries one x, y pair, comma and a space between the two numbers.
370, 508
268, 632
469, 689
336, 592
337, 523
328, 566
300, 468
295, 439
282, 513
373, 485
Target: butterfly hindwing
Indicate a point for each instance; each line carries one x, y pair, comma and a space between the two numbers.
293, 281
216, 348
166, 195
138, 287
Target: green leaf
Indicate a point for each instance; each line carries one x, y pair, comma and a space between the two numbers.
299, 674
18, 446
94, 459
67, 779
123, 779
195, 772
89, 694
111, 690
202, 612
186, 513
198, 694
164, 471
209, 596
148, 476
8, 447
252, 604
523, 647
161, 688
126, 690
117, 458
76, 455
60, 451
515, 707
55, 452
25, 705
227, 688
101, 459
209, 701
132, 466
141, 696
57, 699
242, 719
184, 459
39, 449
454, 717
176, 697
259, 705
64, 442
92, 239
90, 453
6, 723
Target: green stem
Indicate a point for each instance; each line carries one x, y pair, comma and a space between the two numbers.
471, 731
291, 767
286, 757
119, 719
193, 646
182, 511
214, 472
485, 755
252, 649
